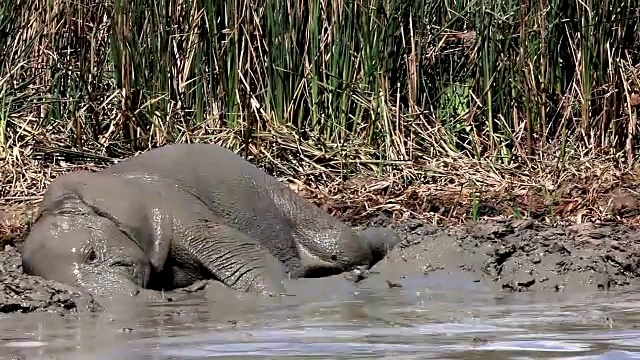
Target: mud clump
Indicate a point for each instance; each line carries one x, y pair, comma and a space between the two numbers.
523, 255
520, 255
20, 293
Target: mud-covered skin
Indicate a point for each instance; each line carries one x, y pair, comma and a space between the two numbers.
24, 294
115, 234
184, 213
308, 241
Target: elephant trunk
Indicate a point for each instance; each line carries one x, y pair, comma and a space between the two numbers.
380, 240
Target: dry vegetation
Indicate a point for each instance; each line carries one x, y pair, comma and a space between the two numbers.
446, 110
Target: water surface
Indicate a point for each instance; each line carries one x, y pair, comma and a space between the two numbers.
446, 316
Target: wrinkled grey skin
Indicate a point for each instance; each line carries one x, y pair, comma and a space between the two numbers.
183, 213
111, 234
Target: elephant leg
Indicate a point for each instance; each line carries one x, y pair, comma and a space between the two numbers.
234, 258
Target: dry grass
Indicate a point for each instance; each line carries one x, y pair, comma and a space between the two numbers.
435, 109
441, 191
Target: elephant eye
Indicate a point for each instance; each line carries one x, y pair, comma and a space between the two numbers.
92, 256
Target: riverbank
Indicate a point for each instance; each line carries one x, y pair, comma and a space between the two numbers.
516, 228
506, 254
519, 255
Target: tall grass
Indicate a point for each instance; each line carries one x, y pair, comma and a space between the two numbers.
346, 82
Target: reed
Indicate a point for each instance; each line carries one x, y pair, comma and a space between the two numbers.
324, 88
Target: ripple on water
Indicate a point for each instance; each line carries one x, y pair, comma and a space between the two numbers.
447, 340
571, 329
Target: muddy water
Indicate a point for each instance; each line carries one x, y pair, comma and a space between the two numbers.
497, 290
440, 316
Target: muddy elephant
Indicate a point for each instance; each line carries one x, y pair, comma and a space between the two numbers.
186, 212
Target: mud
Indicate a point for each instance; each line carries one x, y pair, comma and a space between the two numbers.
517, 255
506, 255
24, 294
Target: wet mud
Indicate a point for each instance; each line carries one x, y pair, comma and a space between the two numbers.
505, 255
24, 294
517, 255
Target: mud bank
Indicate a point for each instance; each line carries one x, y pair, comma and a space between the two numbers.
509, 255
518, 255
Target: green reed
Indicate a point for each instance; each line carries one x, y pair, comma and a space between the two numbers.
362, 80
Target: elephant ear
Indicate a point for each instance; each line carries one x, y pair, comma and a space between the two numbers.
129, 204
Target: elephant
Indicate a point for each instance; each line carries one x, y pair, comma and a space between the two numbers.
181, 213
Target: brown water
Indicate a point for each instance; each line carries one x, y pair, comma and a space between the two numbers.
435, 317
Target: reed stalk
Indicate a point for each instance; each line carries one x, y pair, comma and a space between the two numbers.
349, 85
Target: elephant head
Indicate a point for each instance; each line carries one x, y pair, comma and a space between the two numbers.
87, 251
74, 240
